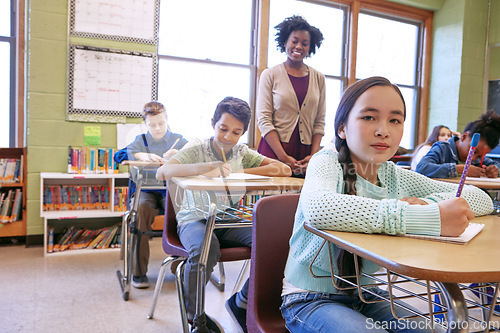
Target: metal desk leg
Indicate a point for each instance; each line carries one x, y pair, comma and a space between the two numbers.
199, 323
457, 309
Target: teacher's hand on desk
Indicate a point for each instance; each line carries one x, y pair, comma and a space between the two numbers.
455, 215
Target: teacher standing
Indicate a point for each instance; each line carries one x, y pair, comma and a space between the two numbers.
291, 98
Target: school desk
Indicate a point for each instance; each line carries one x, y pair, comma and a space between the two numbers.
211, 190
444, 263
143, 174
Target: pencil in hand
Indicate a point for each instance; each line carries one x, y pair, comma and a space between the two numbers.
473, 145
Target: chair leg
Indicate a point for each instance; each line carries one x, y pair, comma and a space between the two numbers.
179, 275
159, 284
221, 282
239, 280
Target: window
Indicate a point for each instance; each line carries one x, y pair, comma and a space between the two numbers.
390, 47
204, 57
7, 73
389, 43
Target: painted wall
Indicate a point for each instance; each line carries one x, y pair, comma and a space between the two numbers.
49, 134
458, 64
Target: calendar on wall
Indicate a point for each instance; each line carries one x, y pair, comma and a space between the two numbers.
122, 20
109, 83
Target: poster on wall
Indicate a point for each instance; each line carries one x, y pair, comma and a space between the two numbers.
122, 20
494, 96
110, 83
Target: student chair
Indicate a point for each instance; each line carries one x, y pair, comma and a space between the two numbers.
273, 219
172, 246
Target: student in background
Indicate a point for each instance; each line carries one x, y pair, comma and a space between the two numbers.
358, 190
439, 133
291, 98
154, 146
230, 121
446, 159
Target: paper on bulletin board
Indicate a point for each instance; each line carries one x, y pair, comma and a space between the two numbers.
92, 135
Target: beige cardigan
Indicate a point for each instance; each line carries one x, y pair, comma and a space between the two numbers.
278, 108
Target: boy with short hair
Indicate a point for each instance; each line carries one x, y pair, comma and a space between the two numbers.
154, 146
446, 158
230, 122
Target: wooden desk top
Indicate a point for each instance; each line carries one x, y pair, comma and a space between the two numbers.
477, 261
207, 184
486, 184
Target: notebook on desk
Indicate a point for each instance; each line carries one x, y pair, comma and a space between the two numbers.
243, 177
485, 179
470, 232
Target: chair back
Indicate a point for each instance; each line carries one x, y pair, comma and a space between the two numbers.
273, 219
170, 240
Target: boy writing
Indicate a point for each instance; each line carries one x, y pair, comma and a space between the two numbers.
154, 146
230, 121
446, 159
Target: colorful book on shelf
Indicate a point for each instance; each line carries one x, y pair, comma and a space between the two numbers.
470, 232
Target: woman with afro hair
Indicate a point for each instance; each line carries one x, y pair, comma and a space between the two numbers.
291, 98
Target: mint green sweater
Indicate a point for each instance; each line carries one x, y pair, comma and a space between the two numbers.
375, 209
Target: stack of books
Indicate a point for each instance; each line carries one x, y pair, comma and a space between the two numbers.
69, 197
11, 170
11, 203
91, 160
75, 239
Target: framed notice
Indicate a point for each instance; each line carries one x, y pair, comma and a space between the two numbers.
494, 96
110, 83
122, 20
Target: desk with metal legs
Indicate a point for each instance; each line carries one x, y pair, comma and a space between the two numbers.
212, 191
445, 263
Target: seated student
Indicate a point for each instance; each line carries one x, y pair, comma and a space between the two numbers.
439, 133
359, 190
154, 146
230, 121
445, 159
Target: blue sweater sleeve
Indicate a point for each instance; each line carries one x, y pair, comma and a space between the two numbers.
433, 164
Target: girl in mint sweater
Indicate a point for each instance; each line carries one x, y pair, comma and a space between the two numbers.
356, 189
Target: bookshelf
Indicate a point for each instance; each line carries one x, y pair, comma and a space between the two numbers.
62, 216
17, 228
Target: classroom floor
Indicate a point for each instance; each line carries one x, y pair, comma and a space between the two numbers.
79, 292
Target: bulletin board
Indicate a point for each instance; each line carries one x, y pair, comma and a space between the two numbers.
133, 21
494, 95
109, 83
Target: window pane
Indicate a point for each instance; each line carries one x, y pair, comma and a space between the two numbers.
327, 19
219, 30
4, 94
333, 93
410, 97
5, 18
387, 48
191, 90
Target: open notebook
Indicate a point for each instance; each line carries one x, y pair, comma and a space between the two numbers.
243, 177
470, 232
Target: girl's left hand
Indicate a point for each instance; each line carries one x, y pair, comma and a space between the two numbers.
414, 201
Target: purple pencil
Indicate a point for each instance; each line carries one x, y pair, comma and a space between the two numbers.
473, 145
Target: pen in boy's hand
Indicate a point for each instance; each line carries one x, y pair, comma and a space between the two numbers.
482, 159
175, 143
473, 145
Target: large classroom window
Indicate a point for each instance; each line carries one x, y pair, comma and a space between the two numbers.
204, 56
7, 73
